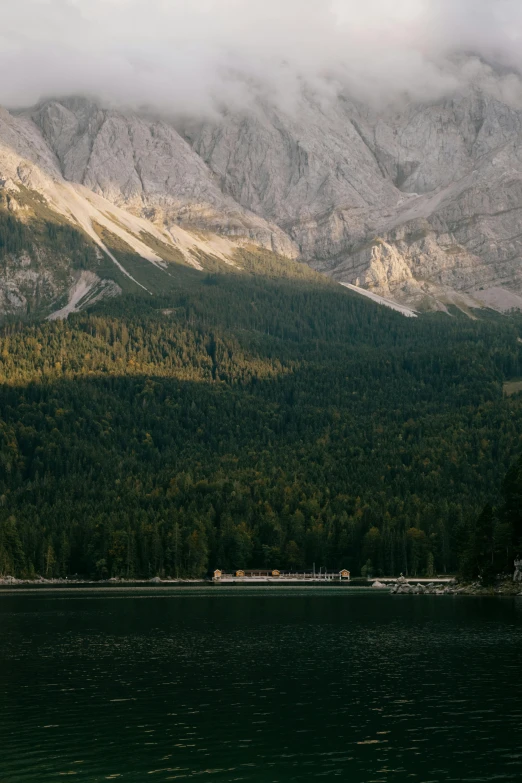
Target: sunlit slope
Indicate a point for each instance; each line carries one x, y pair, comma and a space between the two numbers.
48, 242
53, 230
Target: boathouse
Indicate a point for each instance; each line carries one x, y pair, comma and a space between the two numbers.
275, 574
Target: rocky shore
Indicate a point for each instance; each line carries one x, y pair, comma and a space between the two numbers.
405, 587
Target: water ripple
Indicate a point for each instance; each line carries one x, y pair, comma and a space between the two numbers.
259, 685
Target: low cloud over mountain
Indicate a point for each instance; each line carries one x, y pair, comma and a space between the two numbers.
193, 56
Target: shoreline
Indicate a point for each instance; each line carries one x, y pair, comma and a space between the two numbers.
59, 584
507, 587
400, 586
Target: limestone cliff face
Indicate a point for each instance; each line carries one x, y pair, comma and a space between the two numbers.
421, 203
102, 173
145, 166
414, 203
312, 171
45, 275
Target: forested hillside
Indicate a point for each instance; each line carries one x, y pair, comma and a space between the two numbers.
495, 537
244, 420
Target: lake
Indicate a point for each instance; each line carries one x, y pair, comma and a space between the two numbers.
259, 684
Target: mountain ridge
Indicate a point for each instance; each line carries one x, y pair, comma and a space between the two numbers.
418, 203
34, 191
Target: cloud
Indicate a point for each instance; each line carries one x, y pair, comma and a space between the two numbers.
192, 56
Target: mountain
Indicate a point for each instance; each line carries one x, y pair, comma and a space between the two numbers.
418, 203
213, 399
146, 167
138, 201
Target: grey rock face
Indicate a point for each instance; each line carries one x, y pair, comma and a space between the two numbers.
312, 171
145, 166
36, 176
419, 203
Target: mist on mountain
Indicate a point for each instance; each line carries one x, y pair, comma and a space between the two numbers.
197, 57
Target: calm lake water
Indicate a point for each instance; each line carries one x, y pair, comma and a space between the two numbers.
259, 684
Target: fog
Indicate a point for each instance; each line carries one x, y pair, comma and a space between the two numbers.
196, 56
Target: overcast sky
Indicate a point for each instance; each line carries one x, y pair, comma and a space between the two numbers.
194, 55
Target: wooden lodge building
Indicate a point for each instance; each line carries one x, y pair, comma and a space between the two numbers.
260, 574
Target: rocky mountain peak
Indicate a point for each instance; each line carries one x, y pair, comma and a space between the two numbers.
419, 202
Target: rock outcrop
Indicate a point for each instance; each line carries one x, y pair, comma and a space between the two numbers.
419, 203
103, 173
144, 165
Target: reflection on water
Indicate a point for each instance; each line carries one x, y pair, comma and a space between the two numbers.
261, 684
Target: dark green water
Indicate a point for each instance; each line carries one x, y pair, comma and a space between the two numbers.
259, 684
